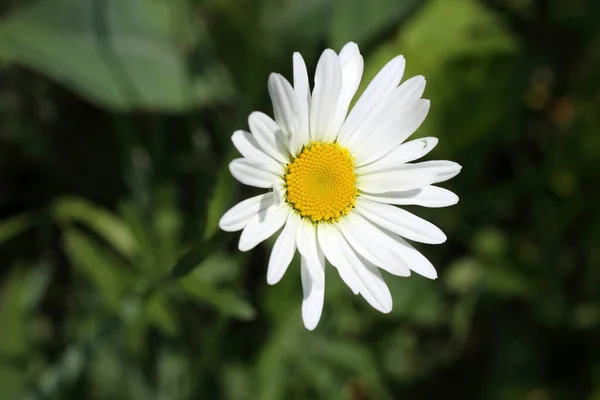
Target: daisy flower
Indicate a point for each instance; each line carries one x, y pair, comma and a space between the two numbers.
334, 178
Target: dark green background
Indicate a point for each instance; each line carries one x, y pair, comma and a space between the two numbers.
115, 125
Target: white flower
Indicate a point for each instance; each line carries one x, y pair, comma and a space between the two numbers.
335, 178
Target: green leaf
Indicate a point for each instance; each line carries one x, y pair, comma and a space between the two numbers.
219, 268
364, 19
191, 260
142, 232
288, 20
113, 229
12, 382
474, 31
167, 224
429, 42
198, 285
36, 284
160, 314
168, 220
490, 243
121, 54
174, 374
272, 371
14, 226
219, 202
97, 264
226, 301
504, 281
13, 338
400, 354
418, 299
20, 296
66, 370
586, 315
464, 275
356, 358
237, 382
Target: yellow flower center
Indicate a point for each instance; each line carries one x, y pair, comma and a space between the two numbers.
321, 182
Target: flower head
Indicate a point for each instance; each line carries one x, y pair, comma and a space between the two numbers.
335, 178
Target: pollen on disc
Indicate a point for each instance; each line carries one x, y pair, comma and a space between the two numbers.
321, 183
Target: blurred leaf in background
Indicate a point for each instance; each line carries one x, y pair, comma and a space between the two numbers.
121, 54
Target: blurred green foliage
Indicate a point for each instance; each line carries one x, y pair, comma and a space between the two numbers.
115, 119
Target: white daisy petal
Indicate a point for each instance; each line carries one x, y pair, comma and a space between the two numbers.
313, 297
279, 191
396, 247
323, 105
251, 173
283, 250
262, 226
402, 154
248, 147
237, 217
393, 103
396, 180
373, 289
392, 132
369, 242
384, 82
443, 169
302, 89
410, 90
286, 106
352, 68
400, 221
411, 256
269, 136
417, 261
429, 196
328, 242
406, 255
308, 247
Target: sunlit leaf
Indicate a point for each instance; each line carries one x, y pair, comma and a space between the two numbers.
474, 31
